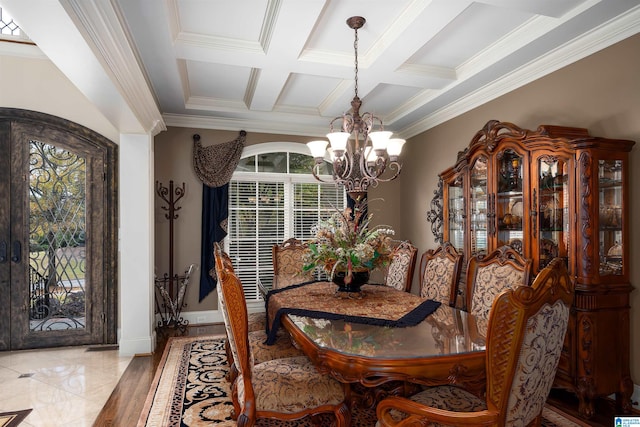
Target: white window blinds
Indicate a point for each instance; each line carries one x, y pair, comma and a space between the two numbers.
267, 208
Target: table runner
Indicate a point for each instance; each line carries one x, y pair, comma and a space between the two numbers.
376, 305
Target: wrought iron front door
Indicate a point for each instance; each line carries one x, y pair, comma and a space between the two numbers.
51, 259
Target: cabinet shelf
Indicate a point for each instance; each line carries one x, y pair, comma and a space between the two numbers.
550, 191
509, 194
505, 228
609, 228
610, 183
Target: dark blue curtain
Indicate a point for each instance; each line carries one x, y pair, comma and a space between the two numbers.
214, 214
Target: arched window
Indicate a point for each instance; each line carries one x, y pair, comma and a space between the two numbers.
273, 197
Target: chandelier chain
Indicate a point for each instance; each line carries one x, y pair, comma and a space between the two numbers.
355, 48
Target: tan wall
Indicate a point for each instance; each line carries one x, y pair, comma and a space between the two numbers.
600, 93
37, 85
173, 161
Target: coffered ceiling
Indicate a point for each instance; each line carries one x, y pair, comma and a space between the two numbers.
287, 66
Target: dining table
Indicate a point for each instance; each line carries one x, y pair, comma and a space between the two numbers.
379, 335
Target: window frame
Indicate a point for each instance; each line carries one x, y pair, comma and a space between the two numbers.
288, 179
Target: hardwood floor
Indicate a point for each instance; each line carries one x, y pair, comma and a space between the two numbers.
127, 400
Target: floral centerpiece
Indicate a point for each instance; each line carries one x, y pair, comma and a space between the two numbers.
344, 243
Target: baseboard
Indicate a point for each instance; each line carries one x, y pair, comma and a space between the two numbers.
200, 317
130, 347
211, 316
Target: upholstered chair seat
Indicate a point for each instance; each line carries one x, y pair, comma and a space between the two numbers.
291, 385
399, 273
449, 398
257, 321
283, 347
525, 335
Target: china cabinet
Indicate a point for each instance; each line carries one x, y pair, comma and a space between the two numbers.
555, 192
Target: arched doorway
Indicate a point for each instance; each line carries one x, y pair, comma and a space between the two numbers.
58, 273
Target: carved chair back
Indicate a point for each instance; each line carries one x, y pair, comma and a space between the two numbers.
288, 260
525, 337
399, 273
439, 274
233, 307
524, 342
488, 275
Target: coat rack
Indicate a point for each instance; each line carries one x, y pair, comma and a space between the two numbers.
171, 288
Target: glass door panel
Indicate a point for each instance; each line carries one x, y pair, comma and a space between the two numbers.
553, 210
478, 208
610, 212
455, 203
57, 230
509, 203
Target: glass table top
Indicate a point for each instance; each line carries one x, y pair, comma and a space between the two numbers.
447, 331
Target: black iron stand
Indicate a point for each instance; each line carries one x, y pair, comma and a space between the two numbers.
171, 288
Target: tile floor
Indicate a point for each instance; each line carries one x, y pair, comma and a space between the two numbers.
65, 386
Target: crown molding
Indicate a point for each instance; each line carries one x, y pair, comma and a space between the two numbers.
253, 125
100, 22
606, 35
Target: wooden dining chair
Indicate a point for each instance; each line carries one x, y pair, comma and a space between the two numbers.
283, 346
439, 274
288, 259
399, 273
256, 319
488, 275
283, 389
526, 333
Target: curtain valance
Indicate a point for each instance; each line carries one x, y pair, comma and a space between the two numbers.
215, 164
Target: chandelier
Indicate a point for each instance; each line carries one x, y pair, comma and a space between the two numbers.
361, 150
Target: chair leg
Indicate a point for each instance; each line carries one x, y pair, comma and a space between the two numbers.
343, 415
236, 404
537, 421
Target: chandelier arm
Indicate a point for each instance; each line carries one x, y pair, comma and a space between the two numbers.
342, 167
314, 172
346, 123
391, 166
370, 121
373, 172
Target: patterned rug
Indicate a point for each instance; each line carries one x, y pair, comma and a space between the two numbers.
13, 418
189, 389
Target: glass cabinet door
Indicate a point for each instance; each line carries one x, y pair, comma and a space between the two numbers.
455, 204
509, 203
478, 205
610, 214
551, 223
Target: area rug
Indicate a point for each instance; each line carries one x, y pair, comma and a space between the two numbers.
190, 390
13, 418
